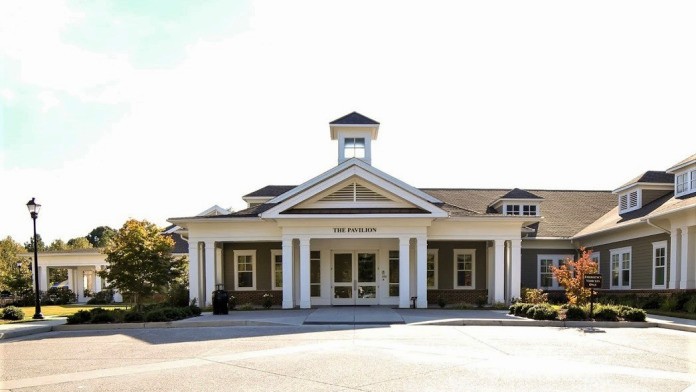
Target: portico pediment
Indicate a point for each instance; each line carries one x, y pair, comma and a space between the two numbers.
354, 188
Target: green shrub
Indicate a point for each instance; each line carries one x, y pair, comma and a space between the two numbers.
174, 313
632, 314
104, 317
606, 313
441, 302
670, 304
12, 313
58, 296
178, 295
195, 310
534, 296
231, 302
80, 317
133, 317
542, 312
499, 306
102, 298
575, 313
267, 300
690, 305
652, 301
155, 316
481, 301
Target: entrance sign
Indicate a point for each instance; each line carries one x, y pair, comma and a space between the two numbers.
593, 281
354, 229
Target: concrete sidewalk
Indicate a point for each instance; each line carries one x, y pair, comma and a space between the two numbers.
346, 315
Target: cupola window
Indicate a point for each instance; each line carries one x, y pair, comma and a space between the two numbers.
354, 147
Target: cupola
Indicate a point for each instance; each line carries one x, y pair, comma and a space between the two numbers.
355, 134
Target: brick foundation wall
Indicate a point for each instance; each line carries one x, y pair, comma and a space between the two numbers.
256, 297
457, 296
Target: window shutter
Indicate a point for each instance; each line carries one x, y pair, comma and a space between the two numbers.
623, 202
633, 199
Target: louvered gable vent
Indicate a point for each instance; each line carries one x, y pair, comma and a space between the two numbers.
355, 192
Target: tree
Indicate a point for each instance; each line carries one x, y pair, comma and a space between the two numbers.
99, 236
572, 274
9, 257
140, 262
58, 245
79, 243
29, 245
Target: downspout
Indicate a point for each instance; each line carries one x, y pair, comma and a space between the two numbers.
647, 220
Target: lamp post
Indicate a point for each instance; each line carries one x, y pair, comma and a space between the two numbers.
34, 212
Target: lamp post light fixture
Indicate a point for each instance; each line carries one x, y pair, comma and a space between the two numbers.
34, 212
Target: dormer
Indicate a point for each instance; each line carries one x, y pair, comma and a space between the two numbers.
518, 202
643, 189
684, 177
355, 134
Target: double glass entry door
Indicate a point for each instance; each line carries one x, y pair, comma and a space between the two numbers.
354, 278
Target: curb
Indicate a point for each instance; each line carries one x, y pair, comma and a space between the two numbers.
167, 324
677, 327
25, 331
542, 323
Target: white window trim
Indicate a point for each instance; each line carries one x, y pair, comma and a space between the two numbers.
521, 206
620, 251
433, 252
658, 245
689, 177
274, 284
471, 252
555, 261
639, 201
251, 253
310, 270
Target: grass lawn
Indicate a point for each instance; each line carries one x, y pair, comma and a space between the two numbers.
50, 311
684, 315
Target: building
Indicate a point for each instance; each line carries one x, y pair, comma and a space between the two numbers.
355, 235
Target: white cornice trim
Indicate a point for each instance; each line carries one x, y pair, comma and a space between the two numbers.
657, 186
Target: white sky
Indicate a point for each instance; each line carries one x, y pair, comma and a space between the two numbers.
153, 114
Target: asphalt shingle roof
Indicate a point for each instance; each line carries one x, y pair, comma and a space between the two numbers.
518, 193
354, 118
271, 191
653, 177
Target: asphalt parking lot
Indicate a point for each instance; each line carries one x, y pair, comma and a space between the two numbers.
352, 358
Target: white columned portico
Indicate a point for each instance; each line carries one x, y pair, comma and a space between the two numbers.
71, 280
515, 268
193, 271
288, 302
422, 272
209, 271
688, 259
305, 302
404, 267
490, 268
499, 270
674, 259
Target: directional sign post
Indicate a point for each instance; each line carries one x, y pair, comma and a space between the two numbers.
592, 281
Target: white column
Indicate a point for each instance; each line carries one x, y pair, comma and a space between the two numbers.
209, 271
305, 302
193, 271
422, 272
219, 278
688, 260
97, 279
515, 268
71, 280
490, 273
288, 302
674, 258
499, 268
404, 278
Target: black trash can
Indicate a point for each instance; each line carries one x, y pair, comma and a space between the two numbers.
220, 298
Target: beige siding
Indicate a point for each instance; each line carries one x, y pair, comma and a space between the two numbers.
445, 273
641, 260
263, 262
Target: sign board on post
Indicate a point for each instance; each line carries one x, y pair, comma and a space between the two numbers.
593, 281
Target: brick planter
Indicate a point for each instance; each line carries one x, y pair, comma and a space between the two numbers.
457, 296
256, 297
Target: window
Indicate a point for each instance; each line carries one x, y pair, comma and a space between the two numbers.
629, 201
529, 210
315, 273
660, 265
277, 269
545, 279
620, 268
693, 180
682, 182
431, 269
393, 273
244, 269
464, 268
595, 258
512, 209
354, 147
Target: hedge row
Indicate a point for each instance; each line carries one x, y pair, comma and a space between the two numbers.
151, 314
600, 312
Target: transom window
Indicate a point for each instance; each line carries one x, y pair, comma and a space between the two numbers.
245, 269
431, 269
464, 268
660, 265
354, 147
621, 268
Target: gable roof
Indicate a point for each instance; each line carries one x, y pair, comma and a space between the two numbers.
682, 163
649, 177
518, 193
354, 118
270, 191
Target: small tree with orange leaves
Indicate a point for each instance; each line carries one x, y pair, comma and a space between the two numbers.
572, 274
